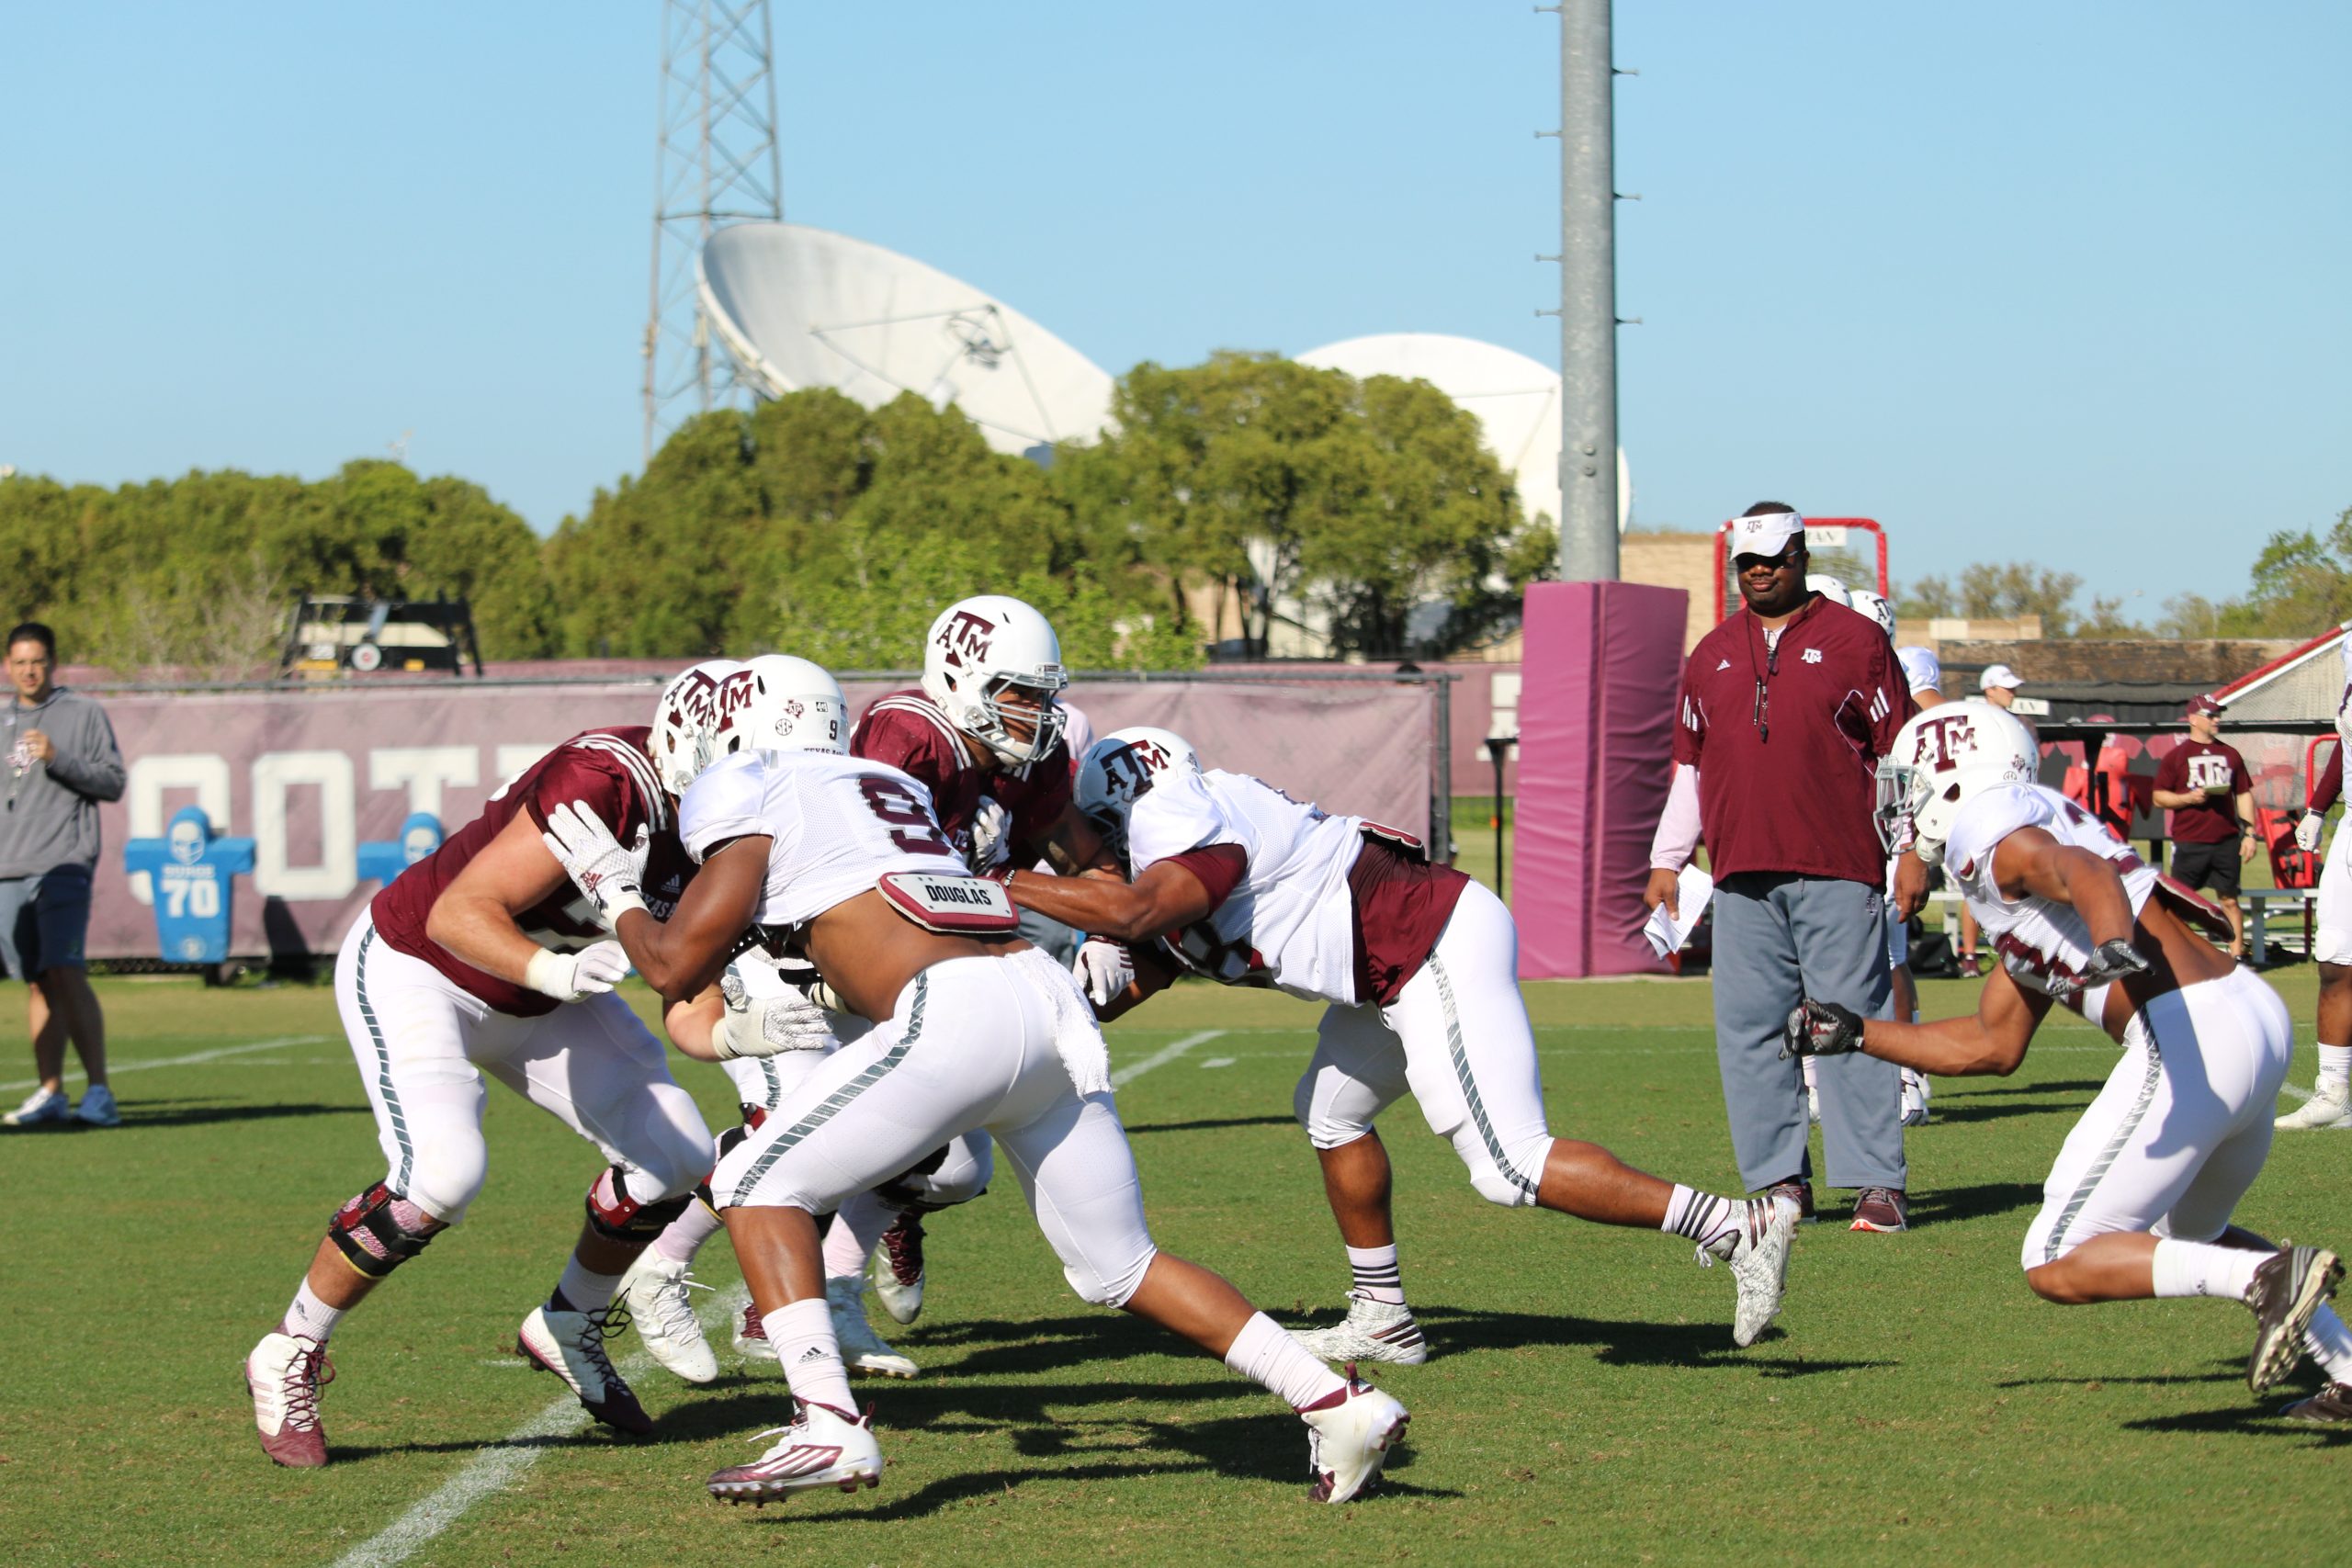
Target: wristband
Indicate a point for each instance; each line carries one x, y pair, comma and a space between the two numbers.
550, 974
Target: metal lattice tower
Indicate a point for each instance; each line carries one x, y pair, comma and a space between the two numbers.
715, 161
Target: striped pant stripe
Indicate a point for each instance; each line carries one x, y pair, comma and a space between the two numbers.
2108, 1156
391, 1096
833, 1103
1470, 1085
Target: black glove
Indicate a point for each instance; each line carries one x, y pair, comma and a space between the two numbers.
2114, 960
1821, 1028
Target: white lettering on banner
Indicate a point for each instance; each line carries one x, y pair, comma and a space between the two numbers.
423, 770
276, 773
151, 778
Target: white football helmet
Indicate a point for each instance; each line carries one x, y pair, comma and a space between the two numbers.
1941, 760
977, 648
795, 706
1123, 765
687, 720
1829, 588
1865, 602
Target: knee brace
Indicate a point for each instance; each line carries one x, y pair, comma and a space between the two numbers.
1334, 1107
1509, 1176
379, 1230
1099, 1292
616, 1216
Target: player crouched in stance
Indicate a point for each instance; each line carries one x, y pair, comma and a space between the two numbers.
2139, 1204
840, 861
1235, 880
483, 958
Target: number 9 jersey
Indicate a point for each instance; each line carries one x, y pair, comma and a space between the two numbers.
840, 824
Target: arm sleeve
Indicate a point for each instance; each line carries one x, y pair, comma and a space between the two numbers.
1677, 839
1689, 723
92, 764
573, 773
2328, 787
1218, 868
1172, 817
1040, 806
1891, 704
909, 742
2172, 771
725, 803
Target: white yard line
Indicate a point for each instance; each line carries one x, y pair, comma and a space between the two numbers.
1164, 1055
188, 1061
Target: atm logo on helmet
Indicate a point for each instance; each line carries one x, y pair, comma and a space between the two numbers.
1943, 742
967, 638
715, 702
1130, 770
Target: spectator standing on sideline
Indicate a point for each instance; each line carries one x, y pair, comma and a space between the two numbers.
1785, 709
62, 761
1999, 684
2205, 785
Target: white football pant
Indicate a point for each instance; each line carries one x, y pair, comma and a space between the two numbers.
2331, 940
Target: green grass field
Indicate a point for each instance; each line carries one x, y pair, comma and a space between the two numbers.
1585, 1405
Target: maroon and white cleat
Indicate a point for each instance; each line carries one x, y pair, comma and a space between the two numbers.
823, 1447
1349, 1434
284, 1375
752, 1341
898, 1268
572, 1346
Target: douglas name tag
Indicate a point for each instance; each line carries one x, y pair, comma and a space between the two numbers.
963, 905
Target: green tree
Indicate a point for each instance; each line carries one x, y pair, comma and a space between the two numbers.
2011, 590
2303, 584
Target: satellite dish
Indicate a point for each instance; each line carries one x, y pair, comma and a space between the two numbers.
800, 308
1516, 400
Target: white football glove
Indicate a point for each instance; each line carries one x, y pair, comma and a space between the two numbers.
611, 877
1103, 969
2307, 832
767, 1026
991, 822
569, 976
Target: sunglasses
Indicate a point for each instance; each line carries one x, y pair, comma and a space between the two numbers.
1781, 562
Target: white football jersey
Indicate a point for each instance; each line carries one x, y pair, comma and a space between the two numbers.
1290, 921
2044, 944
839, 824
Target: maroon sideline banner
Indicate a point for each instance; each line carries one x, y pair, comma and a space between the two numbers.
312, 774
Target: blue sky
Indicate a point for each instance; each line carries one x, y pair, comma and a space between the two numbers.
2055, 282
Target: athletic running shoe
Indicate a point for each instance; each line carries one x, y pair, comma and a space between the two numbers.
1799, 1192
823, 1447
98, 1108
2329, 1106
1759, 1270
751, 1340
284, 1374
1373, 1331
1349, 1435
1880, 1209
861, 1348
40, 1107
2288, 1285
572, 1346
656, 1290
898, 1268
2331, 1406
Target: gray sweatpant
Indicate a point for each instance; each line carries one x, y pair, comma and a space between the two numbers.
1778, 938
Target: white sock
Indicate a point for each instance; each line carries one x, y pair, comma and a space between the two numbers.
2202, 1269
1265, 1353
1377, 1275
857, 1230
2335, 1067
1715, 1223
803, 1337
583, 1291
686, 1234
310, 1317
2330, 1344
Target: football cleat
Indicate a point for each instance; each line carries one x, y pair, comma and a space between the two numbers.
2288, 1285
2331, 1406
284, 1374
823, 1447
572, 1346
41, 1106
1348, 1436
1798, 1192
98, 1108
898, 1268
1884, 1209
751, 1340
1373, 1331
2329, 1106
656, 1292
861, 1348
1759, 1270
1915, 1100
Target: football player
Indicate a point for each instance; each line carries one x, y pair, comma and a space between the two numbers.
2140, 1201
483, 959
1233, 879
841, 861
2331, 1101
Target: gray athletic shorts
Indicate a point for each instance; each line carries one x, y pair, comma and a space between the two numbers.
43, 921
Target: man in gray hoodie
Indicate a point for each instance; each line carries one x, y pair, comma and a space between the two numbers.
60, 761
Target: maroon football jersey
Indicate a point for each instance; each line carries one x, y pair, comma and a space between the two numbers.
908, 731
608, 770
2196, 767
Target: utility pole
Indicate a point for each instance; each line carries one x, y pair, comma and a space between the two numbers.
1588, 294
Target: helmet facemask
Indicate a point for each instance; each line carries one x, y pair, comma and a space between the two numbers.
992, 721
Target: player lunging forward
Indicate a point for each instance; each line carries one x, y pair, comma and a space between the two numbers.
840, 861
1239, 881
2139, 1202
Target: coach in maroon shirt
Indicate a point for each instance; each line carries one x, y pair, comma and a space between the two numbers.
1786, 708
2203, 783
